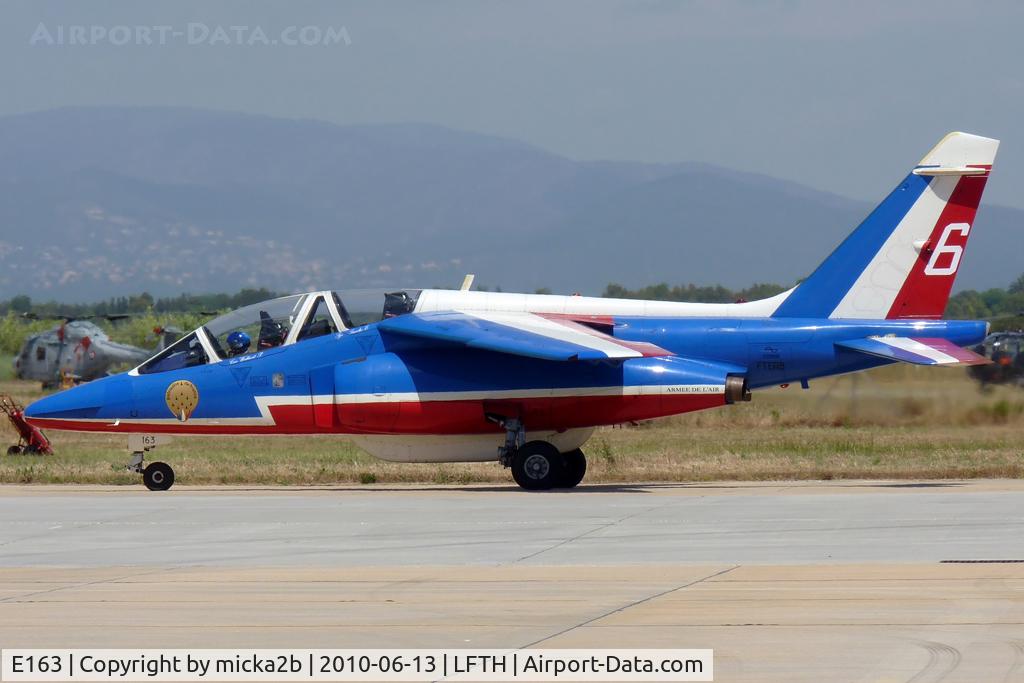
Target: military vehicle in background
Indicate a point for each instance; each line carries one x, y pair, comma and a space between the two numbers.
1004, 350
78, 350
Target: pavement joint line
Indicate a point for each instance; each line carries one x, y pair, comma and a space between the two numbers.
566, 541
623, 608
23, 598
476, 581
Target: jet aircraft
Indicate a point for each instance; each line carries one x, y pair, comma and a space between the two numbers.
449, 376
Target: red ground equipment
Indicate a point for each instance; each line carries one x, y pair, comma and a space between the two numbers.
30, 439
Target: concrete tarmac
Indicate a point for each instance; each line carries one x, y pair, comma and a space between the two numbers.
844, 581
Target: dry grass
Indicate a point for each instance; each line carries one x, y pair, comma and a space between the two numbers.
897, 422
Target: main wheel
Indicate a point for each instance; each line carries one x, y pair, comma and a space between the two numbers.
574, 470
14, 450
537, 466
158, 476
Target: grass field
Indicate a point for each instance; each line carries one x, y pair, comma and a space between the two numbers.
895, 422
6, 367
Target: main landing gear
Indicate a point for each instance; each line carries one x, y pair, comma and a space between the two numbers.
539, 465
157, 476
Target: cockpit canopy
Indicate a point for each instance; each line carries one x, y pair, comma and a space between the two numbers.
279, 322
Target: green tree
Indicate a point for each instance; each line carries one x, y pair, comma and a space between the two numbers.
21, 304
693, 293
967, 305
1017, 286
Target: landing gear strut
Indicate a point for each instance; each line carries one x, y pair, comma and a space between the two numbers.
538, 465
515, 437
157, 476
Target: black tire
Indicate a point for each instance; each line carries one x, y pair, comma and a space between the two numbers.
574, 469
538, 466
31, 450
158, 476
14, 450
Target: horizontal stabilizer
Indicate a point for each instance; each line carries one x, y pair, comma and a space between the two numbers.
521, 334
919, 351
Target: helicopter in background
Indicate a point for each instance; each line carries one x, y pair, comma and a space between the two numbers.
1007, 366
78, 350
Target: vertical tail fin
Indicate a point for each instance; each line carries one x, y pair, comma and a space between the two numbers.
902, 260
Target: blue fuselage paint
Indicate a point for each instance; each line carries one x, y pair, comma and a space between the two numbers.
767, 351
777, 351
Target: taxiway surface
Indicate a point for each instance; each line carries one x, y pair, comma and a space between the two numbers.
859, 581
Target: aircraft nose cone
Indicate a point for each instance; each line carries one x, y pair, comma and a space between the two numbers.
80, 402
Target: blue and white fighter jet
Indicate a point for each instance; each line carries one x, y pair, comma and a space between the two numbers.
458, 376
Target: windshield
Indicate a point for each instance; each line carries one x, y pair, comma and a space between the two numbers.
365, 306
285, 320
263, 325
186, 353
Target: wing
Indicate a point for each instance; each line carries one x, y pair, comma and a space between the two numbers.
534, 335
919, 351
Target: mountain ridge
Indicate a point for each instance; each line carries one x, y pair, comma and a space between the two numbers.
96, 201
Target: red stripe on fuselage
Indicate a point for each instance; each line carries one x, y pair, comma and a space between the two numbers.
597, 320
426, 417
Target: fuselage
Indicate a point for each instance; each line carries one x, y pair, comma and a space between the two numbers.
362, 381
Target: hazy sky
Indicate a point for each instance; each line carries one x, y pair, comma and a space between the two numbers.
841, 96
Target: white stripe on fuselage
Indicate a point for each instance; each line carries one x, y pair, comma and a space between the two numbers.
641, 390
551, 329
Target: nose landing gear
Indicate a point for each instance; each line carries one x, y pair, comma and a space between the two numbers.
157, 476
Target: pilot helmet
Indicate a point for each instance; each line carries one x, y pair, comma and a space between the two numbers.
238, 342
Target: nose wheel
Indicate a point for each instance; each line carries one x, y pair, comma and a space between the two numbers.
157, 476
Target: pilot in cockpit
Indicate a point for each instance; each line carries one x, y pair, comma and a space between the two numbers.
238, 343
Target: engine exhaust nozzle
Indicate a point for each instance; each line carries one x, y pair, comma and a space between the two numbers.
736, 389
